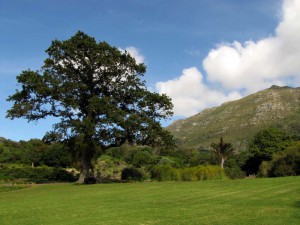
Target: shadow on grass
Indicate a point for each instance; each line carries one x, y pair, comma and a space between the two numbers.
297, 204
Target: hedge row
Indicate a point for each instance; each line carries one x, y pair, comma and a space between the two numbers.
168, 173
35, 174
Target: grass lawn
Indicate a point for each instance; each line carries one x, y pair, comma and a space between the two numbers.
248, 201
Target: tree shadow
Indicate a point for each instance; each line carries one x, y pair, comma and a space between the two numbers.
297, 204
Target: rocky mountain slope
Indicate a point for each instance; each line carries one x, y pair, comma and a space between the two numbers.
238, 121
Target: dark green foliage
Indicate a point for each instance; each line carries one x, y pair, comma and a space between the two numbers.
97, 93
132, 174
285, 167
57, 155
285, 163
269, 141
12, 152
90, 180
36, 174
35, 153
138, 156
195, 157
234, 172
176, 162
252, 165
264, 145
233, 166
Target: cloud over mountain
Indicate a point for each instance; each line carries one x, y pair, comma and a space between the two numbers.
190, 95
236, 67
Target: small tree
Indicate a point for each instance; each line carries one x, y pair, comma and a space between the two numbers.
222, 150
97, 92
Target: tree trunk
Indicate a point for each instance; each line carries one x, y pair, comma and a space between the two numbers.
222, 162
84, 175
86, 156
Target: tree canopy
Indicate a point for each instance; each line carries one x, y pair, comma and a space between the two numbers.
267, 142
97, 92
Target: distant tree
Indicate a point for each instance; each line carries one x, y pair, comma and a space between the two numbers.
283, 163
264, 145
57, 155
267, 142
222, 150
34, 151
97, 92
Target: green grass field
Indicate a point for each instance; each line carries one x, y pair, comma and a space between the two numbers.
247, 201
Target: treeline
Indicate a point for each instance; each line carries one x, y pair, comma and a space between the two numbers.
271, 153
35, 161
35, 152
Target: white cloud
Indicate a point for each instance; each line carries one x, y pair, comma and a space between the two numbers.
135, 53
256, 65
249, 66
190, 95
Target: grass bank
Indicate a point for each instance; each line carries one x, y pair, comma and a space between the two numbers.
248, 201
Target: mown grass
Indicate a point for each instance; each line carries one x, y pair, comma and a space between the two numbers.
248, 201
5, 188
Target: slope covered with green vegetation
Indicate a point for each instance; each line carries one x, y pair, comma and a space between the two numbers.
238, 121
273, 201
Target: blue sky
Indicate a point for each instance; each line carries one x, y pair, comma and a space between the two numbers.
200, 52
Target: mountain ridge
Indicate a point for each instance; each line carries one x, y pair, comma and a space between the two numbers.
238, 121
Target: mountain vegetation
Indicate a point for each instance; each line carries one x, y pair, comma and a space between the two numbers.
238, 121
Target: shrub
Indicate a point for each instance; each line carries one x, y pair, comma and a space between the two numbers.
235, 172
164, 173
168, 173
133, 174
209, 172
264, 169
286, 163
90, 180
189, 174
36, 174
282, 168
108, 167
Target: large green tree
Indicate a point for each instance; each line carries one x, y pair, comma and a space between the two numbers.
267, 142
263, 146
222, 150
97, 92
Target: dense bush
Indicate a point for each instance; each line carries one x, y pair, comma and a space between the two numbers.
138, 156
168, 173
286, 163
133, 174
57, 155
108, 167
269, 141
233, 166
235, 172
36, 174
164, 173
